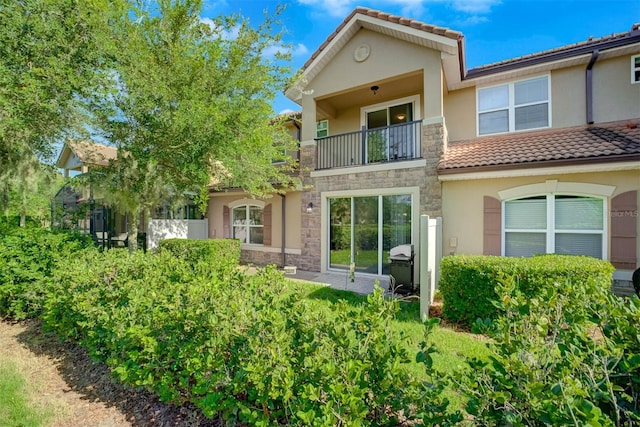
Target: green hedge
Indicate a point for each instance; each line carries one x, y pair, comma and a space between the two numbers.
467, 282
245, 347
210, 255
28, 257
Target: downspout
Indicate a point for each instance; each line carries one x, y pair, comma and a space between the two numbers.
284, 229
284, 203
589, 84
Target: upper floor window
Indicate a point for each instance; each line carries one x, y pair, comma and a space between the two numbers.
635, 69
247, 224
322, 128
552, 223
514, 106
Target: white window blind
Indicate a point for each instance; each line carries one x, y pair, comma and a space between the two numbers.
528, 214
514, 106
562, 224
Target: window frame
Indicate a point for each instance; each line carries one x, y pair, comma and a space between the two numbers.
635, 69
247, 207
551, 230
511, 106
320, 128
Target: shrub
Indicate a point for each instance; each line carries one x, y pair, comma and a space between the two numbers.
205, 255
243, 346
468, 283
28, 257
548, 367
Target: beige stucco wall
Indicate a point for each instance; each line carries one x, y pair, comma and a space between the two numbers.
568, 97
293, 216
459, 113
388, 59
462, 203
614, 97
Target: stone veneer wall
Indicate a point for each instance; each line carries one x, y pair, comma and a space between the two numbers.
261, 258
434, 142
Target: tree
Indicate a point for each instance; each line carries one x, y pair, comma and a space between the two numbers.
28, 193
190, 101
50, 51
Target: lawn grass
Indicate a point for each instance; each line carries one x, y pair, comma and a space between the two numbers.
453, 346
15, 409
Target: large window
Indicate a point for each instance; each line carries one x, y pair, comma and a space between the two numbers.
635, 69
515, 106
561, 224
247, 224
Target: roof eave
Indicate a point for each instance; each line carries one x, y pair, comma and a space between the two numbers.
631, 38
541, 164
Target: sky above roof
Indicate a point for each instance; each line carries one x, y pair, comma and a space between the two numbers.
494, 30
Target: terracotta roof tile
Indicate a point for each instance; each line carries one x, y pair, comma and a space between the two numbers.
408, 22
92, 153
601, 142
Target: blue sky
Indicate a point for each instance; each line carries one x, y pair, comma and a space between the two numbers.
494, 29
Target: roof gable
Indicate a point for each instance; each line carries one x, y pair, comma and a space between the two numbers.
87, 153
438, 38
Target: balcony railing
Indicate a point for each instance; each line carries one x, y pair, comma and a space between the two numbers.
370, 146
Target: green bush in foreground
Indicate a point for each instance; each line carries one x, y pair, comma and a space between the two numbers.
467, 282
243, 346
555, 365
28, 257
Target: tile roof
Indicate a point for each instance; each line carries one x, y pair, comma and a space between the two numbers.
550, 54
412, 23
603, 142
92, 153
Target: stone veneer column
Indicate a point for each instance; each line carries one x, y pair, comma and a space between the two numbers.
311, 222
434, 141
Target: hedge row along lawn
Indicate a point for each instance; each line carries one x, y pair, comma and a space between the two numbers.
261, 350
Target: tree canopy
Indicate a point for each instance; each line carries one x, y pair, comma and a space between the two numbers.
185, 98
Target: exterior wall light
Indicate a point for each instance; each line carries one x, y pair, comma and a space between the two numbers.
374, 89
310, 208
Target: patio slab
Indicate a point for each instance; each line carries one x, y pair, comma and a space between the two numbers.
362, 284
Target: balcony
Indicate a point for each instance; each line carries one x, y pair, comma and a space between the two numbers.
370, 146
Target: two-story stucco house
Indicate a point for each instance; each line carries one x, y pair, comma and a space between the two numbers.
538, 154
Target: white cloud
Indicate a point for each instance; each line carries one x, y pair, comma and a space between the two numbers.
336, 8
297, 50
473, 11
286, 111
230, 34
475, 7
300, 50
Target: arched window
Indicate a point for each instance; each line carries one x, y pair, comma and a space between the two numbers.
555, 223
248, 226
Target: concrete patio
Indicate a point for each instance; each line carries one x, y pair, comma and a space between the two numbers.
362, 284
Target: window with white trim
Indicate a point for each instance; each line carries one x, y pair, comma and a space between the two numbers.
635, 69
553, 223
322, 128
514, 106
248, 226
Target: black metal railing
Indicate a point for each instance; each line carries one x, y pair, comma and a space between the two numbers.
370, 146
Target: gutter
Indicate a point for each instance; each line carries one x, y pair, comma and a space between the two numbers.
632, 37
589, 85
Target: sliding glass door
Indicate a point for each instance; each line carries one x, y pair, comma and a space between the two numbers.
362, 230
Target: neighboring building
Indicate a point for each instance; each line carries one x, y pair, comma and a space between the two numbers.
85, 210
537, 154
